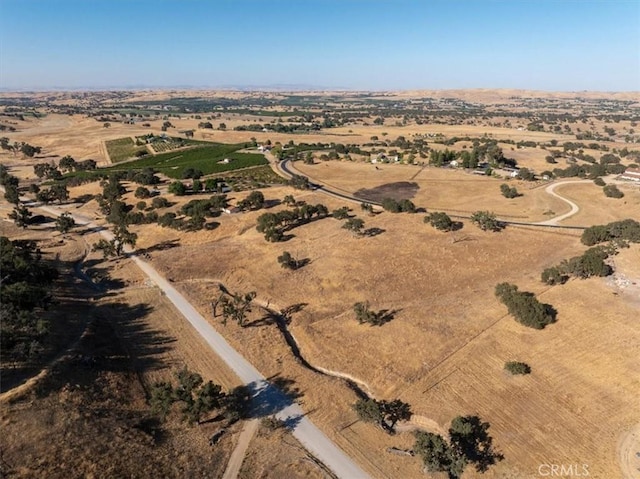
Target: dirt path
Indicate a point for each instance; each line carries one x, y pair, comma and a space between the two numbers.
574, 207
628, 452
237, 456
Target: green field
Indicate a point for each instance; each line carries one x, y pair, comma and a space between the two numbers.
122, 149
204, 158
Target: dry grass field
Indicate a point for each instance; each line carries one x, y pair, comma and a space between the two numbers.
443, 352
454, 191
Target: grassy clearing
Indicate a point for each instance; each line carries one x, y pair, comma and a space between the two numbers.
122, 149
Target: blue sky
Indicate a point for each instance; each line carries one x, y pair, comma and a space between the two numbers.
567, 45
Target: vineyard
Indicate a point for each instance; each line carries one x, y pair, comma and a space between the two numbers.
122, 149
207, 159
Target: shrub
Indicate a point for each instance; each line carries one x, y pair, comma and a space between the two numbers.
599, 182
159, 202
141, 205
142, 192
516, 367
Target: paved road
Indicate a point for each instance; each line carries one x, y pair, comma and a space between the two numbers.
284, 167
268, 399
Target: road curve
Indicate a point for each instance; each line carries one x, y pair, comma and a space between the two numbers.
269, 399
574, 207
283, 169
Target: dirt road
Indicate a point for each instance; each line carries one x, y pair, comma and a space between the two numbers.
237, 456
574, 207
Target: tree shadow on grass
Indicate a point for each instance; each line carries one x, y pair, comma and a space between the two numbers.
118, 339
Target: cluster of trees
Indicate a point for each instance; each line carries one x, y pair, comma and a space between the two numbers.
590, 263
525, 307
116, 211
56, 192
509, 191
67, 164
197, 210
300, 182
273, 225
24, 293
620, 231
364, 314
402, 206
469, 444
588, 171
254, 201
197, 398
385, 414
486, 221
25, 148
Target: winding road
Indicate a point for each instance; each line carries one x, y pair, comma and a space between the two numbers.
574, 207
284, 169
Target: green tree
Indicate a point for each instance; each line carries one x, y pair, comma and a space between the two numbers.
341, 213
553, 275
142, 192
286, 260
177, 188
524, 306
516, 367
161, 399
59, 191
65, 222
11, 194
391, 205
20, 215
236, 307
440, 221
437, 455
67, 164
355, 225
612, 191
508, 192
486, 221
368, 410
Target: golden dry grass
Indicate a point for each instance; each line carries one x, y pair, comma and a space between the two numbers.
454, 191
445, 349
